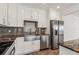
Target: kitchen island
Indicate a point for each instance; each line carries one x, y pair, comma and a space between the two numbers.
69, 47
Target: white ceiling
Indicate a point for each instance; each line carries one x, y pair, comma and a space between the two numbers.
63, 6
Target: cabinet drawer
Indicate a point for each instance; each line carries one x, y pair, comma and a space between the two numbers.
36, 45
31, 46
27, 47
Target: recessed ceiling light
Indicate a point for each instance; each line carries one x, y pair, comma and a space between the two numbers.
58, 6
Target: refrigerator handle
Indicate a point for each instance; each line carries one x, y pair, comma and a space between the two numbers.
56, 32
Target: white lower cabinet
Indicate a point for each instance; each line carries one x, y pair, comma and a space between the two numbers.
36, 45
27, 47
19, 46
31, 46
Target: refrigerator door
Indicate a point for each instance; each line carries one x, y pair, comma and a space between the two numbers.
56, 31
61, 32
54, 39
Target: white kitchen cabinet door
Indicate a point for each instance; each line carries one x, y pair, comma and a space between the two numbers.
12, 15
31, 46
27, 13
35, 14
28, 47
19, 45
3, 14
20, 16
42, 21
36, 45
54, 15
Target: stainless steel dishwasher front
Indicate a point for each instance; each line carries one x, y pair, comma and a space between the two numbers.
44, 42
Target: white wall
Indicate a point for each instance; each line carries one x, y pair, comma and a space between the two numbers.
71, 27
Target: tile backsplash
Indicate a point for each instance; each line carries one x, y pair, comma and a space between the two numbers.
10, 30
7, 31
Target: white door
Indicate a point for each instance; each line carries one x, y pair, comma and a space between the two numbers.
19, 45
27, 13
27, 47
20, 16
35, 14
3, 14
42, 21
12, 15
36, 45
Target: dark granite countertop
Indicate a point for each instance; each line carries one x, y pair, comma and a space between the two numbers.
7, 41
72, 45
9, 38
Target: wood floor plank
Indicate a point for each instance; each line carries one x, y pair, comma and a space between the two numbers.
47, 52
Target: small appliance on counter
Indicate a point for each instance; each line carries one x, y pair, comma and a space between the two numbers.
41, 30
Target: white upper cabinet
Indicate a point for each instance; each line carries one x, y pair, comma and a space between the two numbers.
27, 13
20, 16
3, 14
42, 18
12, 15
30, 14
35, 14
15, 14
54, 15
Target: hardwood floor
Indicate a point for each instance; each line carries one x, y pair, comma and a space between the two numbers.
47, 52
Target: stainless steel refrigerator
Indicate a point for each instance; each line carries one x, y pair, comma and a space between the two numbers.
56, 33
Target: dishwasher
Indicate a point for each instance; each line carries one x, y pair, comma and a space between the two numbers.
44, 42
